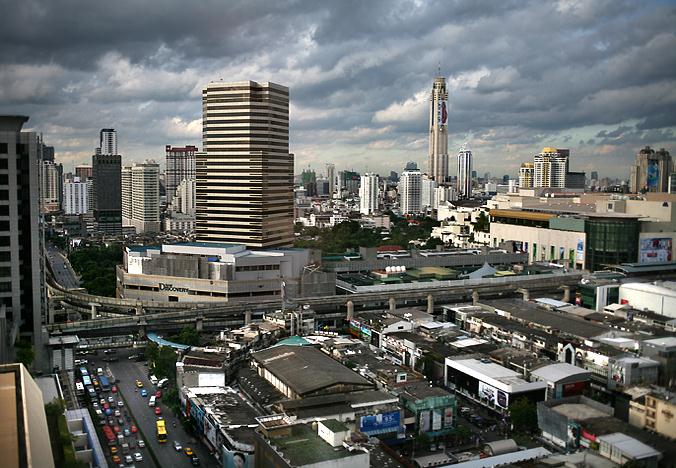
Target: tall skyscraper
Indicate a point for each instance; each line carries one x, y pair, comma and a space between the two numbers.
22, 295
107, 141
410, 190
245, 177
50, 186
75, 197
184, 198
331, 176
550, 168
106, 192
84, 172
180, 166
141, 197
438, 148
651, 171
368, 194
464, 180
526, 174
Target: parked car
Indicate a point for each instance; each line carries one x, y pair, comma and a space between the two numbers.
158, 394
117, 413
134, 429
116, 459
141, 443
120, 404
127, 432
113, 389
177, 446
128, 460
138, 457
111, 399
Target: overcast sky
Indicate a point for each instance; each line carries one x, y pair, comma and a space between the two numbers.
598, 77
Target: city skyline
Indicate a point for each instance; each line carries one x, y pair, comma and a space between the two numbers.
359, 80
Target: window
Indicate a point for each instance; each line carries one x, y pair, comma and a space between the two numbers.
3, 163
3, 148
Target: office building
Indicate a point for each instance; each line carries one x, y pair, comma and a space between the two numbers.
141, 197
50, 185
526, 175
184, 198
22, 297
410, 190
464, 180
75, 197
651, 171
84, 172
245, 176
438, 147
550, 168
368, 194
331, 177
106, 193
25, 437
181, 163
107, 141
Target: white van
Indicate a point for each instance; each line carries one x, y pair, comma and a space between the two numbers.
153, 380
162, 383
99, 371
151, 402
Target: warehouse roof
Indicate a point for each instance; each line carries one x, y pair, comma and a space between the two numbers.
629, 446
559, 371
306, 369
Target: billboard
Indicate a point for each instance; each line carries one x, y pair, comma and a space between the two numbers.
579, 251
654, 249
381, 423
233, 459
424, 425
492, 394
653, 174
448, 417
436, 420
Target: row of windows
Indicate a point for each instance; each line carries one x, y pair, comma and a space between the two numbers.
252, 89
257, 268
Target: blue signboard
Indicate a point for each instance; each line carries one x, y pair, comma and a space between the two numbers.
380, 423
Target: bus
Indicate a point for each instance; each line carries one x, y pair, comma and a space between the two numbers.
86, 381
105, 383
83, 371
161, 431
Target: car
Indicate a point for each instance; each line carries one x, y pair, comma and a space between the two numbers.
158, 394
113, 450
139, 384
117, 413
127, 432
188, 451
177, 446
128, 459
109, 412
106, 406
117, 429
144, 393
134, 429
116, 459
120, 438
113, 389
195, 461
138, 456
120, 421
102, 401
111, 399
141, 443
98, 412
95, 405
158, 410
125, 448
120, 404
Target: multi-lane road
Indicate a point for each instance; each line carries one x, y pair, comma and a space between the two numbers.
127, 372
63, 272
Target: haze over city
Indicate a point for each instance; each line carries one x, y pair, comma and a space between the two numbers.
593, 76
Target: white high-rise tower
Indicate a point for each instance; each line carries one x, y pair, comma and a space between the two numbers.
438, 151
368, 194
107, 141
464, 180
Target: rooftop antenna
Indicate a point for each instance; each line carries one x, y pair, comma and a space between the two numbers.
439, 68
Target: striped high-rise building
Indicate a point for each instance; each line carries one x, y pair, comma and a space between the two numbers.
244, 192
464, 180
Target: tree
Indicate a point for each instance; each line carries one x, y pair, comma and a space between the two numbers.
165, 363
523, 415
482, 223
188, 336
24, 353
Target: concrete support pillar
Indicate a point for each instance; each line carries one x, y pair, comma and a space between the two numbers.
247, 317
525, 293
475, 297
393, 303
430, 304
94, 312
566, 293
350, 310
199, 323
139, 309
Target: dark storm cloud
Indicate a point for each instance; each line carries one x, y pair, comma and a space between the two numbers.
520, 74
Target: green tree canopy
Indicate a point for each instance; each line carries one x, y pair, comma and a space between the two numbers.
523, 415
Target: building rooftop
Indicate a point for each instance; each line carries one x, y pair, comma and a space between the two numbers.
579, 411
629, 446
305, 369
666, 341
494, 374
301, 445
423, 390
559, 371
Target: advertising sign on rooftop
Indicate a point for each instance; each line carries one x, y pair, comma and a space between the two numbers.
382, 423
